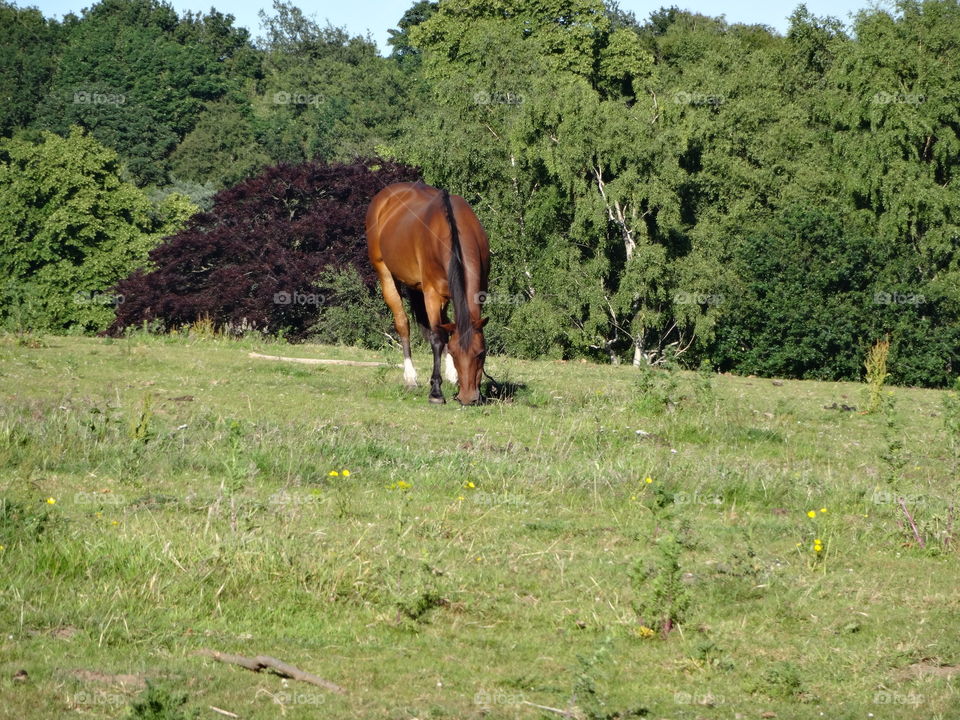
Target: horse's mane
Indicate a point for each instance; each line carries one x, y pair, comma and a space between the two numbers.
456, 280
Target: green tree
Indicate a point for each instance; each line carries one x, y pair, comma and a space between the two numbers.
70, 229
325, 94
549, 118
28, 55
137, 76
222, 149
403, 51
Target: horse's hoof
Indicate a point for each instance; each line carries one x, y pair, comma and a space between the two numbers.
440, 400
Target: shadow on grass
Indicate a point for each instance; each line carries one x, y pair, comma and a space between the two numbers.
502, 391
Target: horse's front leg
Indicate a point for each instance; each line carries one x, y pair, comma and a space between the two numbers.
438, 341
449, 369
437, 336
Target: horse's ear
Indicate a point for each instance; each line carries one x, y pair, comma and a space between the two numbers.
483, 321
449, 327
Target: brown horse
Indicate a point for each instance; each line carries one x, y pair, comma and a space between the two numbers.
433, 243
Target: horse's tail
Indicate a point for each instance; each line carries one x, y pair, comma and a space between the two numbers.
456, 279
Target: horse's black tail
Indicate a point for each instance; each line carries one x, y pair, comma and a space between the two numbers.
456, 279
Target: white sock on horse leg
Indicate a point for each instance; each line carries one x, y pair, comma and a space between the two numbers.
450, 370
409, 372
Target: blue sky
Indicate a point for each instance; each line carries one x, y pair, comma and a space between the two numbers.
377, 16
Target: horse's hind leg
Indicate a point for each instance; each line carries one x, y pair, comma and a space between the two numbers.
392, 295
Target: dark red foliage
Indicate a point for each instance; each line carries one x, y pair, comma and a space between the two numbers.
269, 235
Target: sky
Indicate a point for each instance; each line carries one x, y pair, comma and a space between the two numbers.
377, 16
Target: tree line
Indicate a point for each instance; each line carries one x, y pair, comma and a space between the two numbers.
668, 187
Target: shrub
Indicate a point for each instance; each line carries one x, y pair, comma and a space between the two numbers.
257, 256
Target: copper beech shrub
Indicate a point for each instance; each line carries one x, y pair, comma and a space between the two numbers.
254, 258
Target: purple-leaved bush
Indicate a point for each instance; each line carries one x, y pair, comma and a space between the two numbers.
264, 242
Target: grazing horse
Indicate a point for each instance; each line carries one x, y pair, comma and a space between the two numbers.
432, 242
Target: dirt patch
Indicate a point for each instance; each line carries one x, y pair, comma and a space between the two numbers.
927, 669
64, 633
95, 676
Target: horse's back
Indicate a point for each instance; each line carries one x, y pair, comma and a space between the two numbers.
396, 210
408, 230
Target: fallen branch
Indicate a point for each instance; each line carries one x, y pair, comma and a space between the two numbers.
321, 361
265, 662
547, 708
948, 538
223, 712
913, 525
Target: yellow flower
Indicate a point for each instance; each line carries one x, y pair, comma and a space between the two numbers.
400, 485
461, 498
633, 497
333, 473
2, 548
645, 632
346, 473
114, 522
823, 510
648, 480
811, 513
51, 501
469, 484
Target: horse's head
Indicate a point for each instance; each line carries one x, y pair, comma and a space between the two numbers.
468, 359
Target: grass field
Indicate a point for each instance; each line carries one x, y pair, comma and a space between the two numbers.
161, 496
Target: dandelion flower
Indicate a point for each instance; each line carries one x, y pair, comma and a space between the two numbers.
811, 513
51, 501
823, 510
648, 480
461, 498
469, 484
333, 473
114, 522
645, 632
346, 473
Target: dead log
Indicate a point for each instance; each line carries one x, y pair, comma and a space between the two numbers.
265, 662
321, 361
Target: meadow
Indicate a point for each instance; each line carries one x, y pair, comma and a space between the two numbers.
600, 542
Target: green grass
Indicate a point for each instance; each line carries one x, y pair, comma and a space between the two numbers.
194, 508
